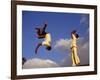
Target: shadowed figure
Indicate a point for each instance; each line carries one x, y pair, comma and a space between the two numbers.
42, 34
23, 60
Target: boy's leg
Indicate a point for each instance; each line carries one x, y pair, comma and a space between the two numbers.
46, 43
76, 56
73, 59
40, 44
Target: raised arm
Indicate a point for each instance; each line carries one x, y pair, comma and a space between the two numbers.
45, 26
73, 34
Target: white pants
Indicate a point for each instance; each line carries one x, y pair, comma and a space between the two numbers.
75, 58
46, 43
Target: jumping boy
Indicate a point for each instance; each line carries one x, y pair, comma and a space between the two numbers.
74, 49
41, 34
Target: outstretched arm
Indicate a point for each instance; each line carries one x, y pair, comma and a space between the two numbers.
45, 25
40, 44
37, 30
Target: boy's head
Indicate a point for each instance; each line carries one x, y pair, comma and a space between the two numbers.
74, 32
48, 48
77, 36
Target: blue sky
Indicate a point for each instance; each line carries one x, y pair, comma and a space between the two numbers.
60, 26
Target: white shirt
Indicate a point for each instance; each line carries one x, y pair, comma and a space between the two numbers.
48, 37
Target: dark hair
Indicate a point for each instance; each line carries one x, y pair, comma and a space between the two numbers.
77, 36
48, 48
74, 31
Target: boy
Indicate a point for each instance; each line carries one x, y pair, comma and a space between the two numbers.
41, 34
74, 49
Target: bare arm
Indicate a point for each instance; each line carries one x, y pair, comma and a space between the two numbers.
45, 25
37, 28
40, 44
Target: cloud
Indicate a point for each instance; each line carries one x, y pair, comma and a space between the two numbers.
84, 53
84, 19
66, 61
39, 63
63, 45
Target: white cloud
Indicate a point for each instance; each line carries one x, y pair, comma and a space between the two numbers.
66, 61
63, 44
39, 63
84, 53
84, 19
83, 50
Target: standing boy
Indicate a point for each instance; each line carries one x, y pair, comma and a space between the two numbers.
74, 49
